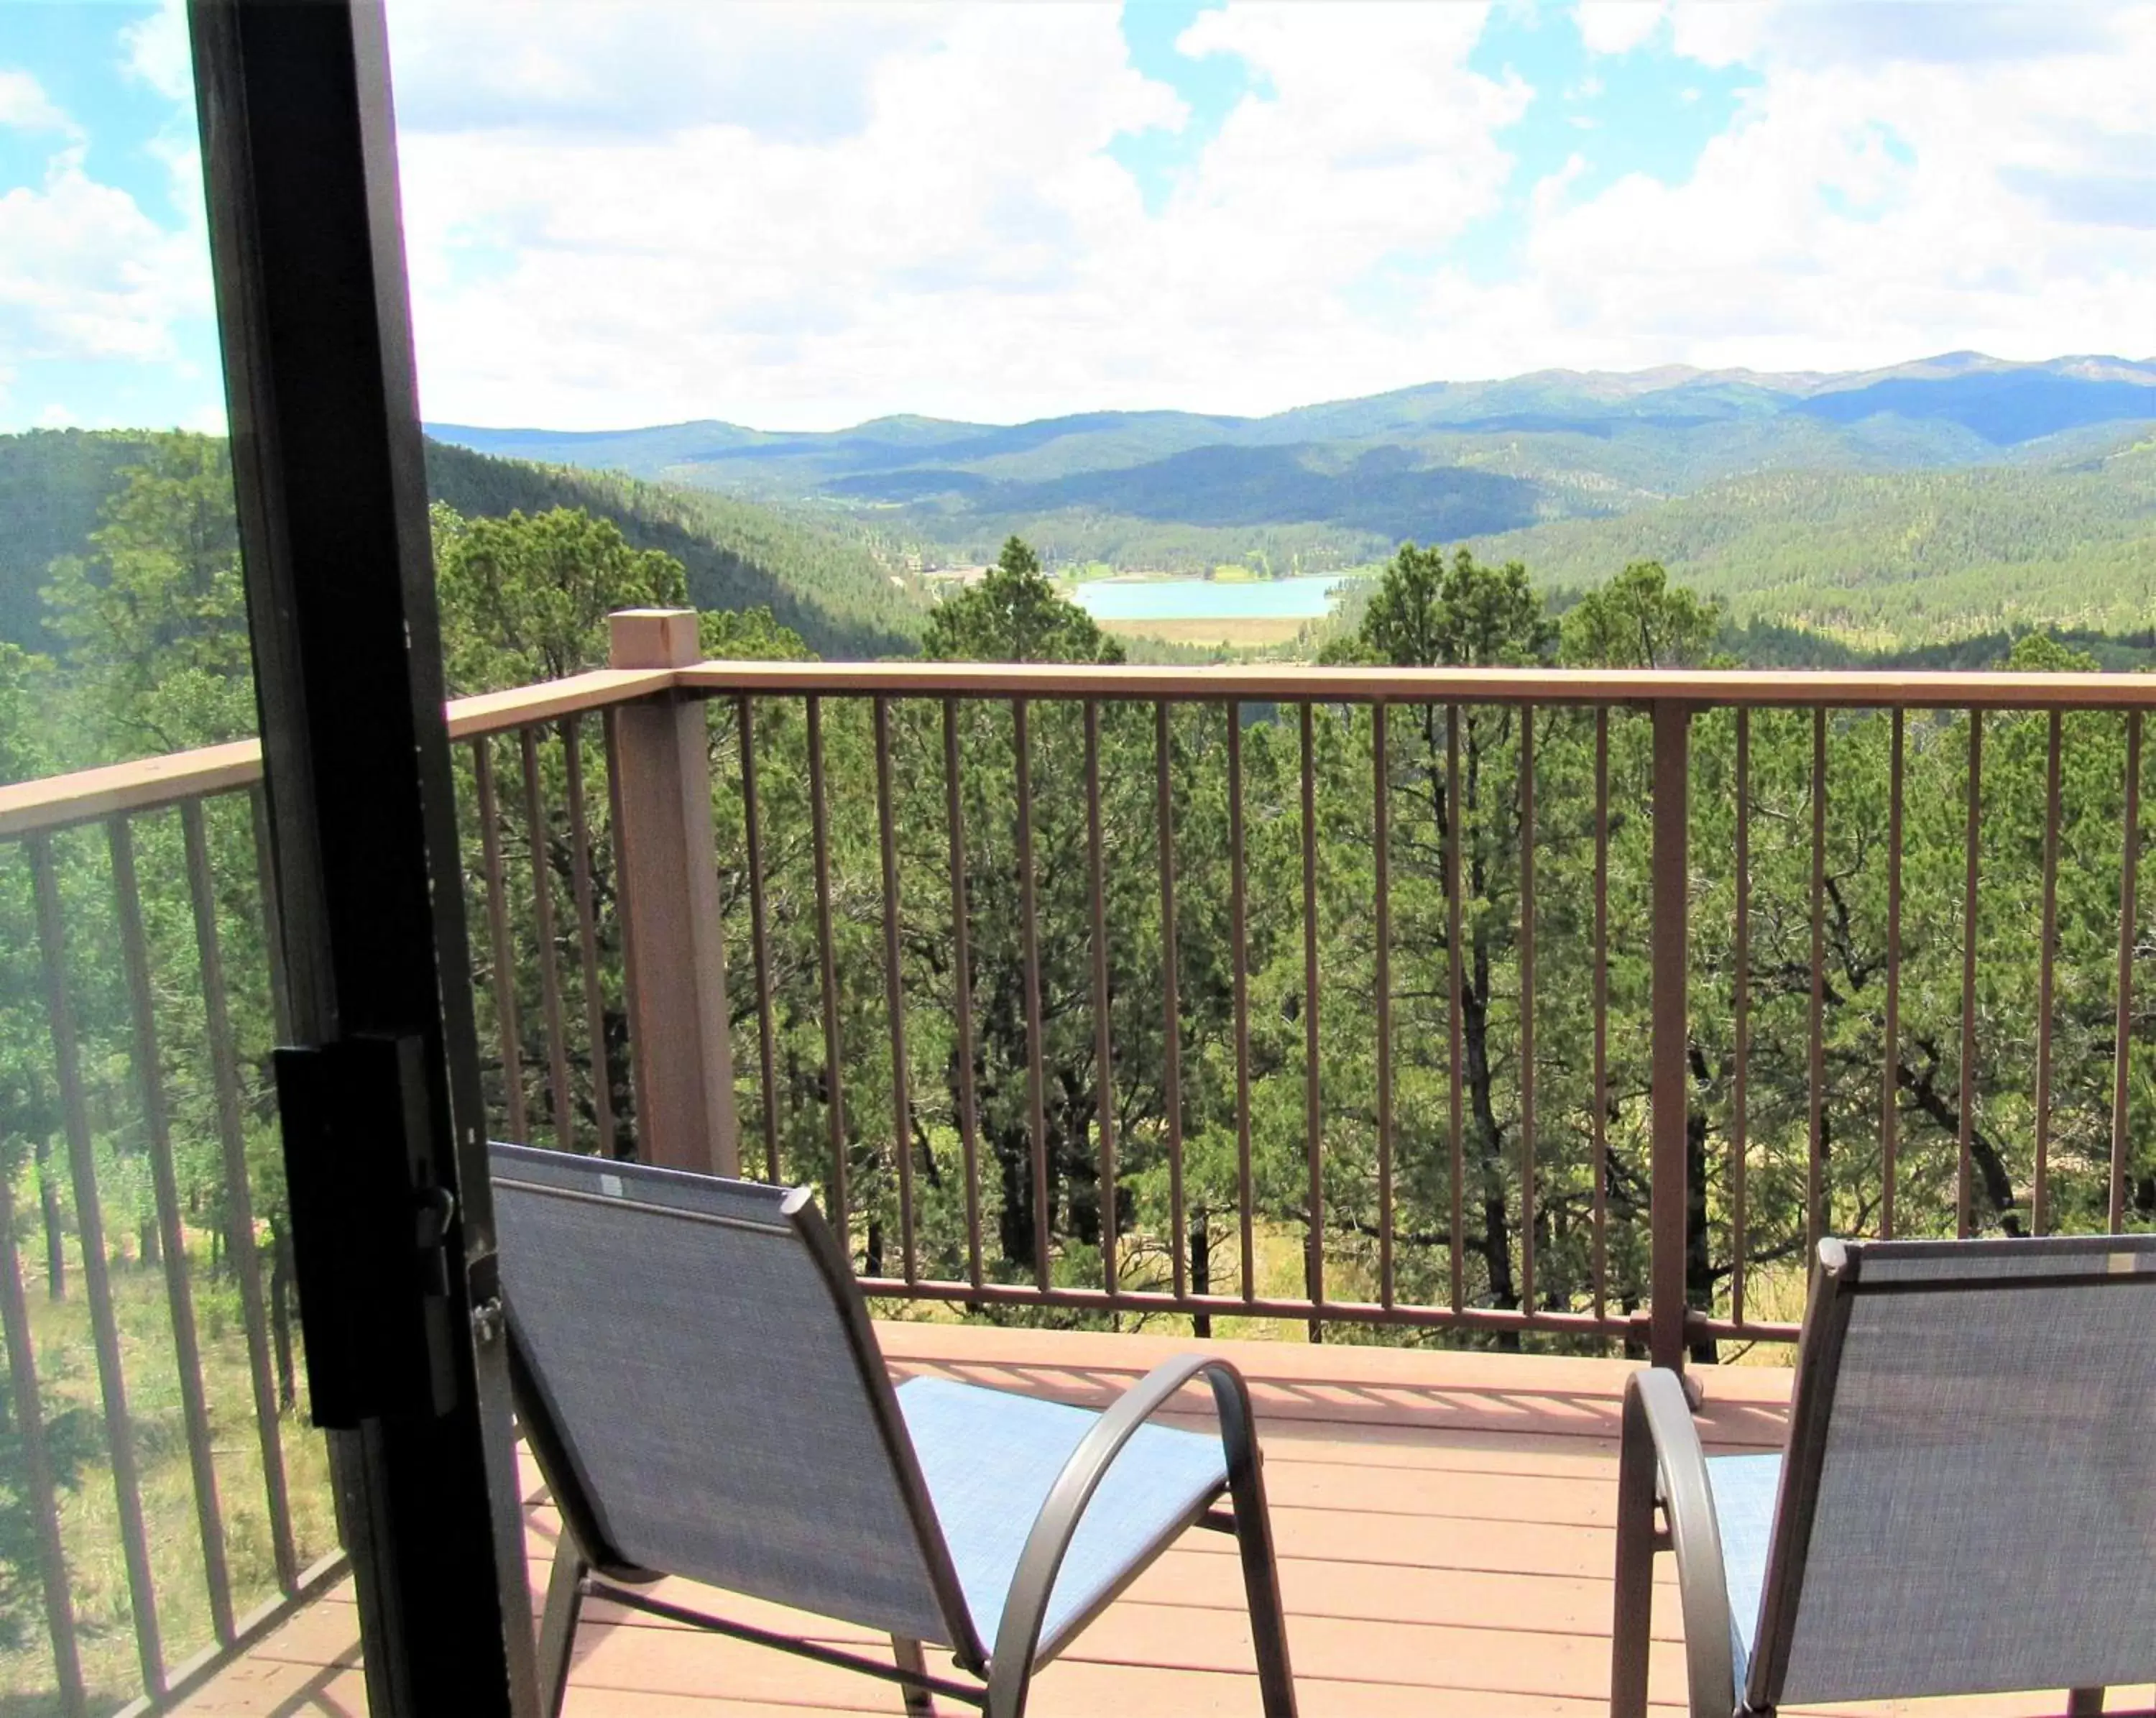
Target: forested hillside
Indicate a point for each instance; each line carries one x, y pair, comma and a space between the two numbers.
824, 583
1180, 491
1893, 508
825, 586
1910, 557
52, 484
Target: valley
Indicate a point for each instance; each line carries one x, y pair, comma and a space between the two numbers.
1882, 510
1944, 507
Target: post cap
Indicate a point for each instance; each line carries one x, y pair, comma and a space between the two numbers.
652, 637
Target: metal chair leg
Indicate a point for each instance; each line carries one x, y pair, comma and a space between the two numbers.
1659, 1456
1254, 1539
1007, 1696
1631, 1625
557, 1628
905, 1653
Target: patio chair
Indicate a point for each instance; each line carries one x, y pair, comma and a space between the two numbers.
696, 1376
1966, 1503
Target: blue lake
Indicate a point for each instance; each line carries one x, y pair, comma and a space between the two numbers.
1205, 599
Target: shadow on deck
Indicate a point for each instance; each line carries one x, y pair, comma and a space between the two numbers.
1444, 1529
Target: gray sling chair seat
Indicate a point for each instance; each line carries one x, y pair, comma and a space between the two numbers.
696, 1376
1966, 1502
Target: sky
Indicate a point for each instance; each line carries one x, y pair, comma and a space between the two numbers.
803, 215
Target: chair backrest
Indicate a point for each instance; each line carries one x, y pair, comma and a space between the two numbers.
696, 1375
1969, 1500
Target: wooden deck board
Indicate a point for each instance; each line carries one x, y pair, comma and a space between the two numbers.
1444, 1526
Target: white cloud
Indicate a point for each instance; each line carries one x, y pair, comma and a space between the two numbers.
24, 106
964, 246
155, 51
779, 217
1868, 210
86, 274
650, 67
1618, 26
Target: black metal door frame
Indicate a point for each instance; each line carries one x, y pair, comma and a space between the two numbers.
298, 153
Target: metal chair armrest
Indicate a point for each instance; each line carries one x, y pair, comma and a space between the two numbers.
1026, 1607
1655, 1409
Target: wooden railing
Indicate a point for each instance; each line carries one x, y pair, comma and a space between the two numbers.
1569, 1007
1649, 719
142, 930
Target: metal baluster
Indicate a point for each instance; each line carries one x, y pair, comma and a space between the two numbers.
2050, 933
1380, 836
550, 970
1815, 1162
1456, 989
1238, 938
179, 1290
639, 1096
1171, 1005
587, 940
1740, 1083
1527, 1006
1965, 1188
894, 988
1889, 1108
962, 984
504, 987
1029, 926
41, 1495
1103, 1037
833, 1042
2128, 915
1313, 1270
238, 1197
1669, 1307
1600, 1142
759, 935
89, 1227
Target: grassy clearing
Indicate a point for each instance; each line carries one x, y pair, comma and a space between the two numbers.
89, 1516
1245, 632
1775, 1294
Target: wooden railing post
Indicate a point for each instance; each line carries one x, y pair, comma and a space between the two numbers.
680, 1046
1671, 1026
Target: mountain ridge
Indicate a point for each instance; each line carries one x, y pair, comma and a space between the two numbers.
1173, 489
1608, 383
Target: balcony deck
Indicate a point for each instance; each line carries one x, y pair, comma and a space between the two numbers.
1444, 1522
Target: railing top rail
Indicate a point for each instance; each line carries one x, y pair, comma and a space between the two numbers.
58, 801
520, 706
1290, 683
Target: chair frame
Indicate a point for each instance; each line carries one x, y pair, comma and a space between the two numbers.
586, 1567
1662, 1467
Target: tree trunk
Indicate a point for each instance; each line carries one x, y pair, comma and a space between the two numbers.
1699, 1264
1201, 1269
1496, 1246
1015, 1221
49, 1202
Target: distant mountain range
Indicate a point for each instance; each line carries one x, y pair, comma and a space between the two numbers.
1345, 480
